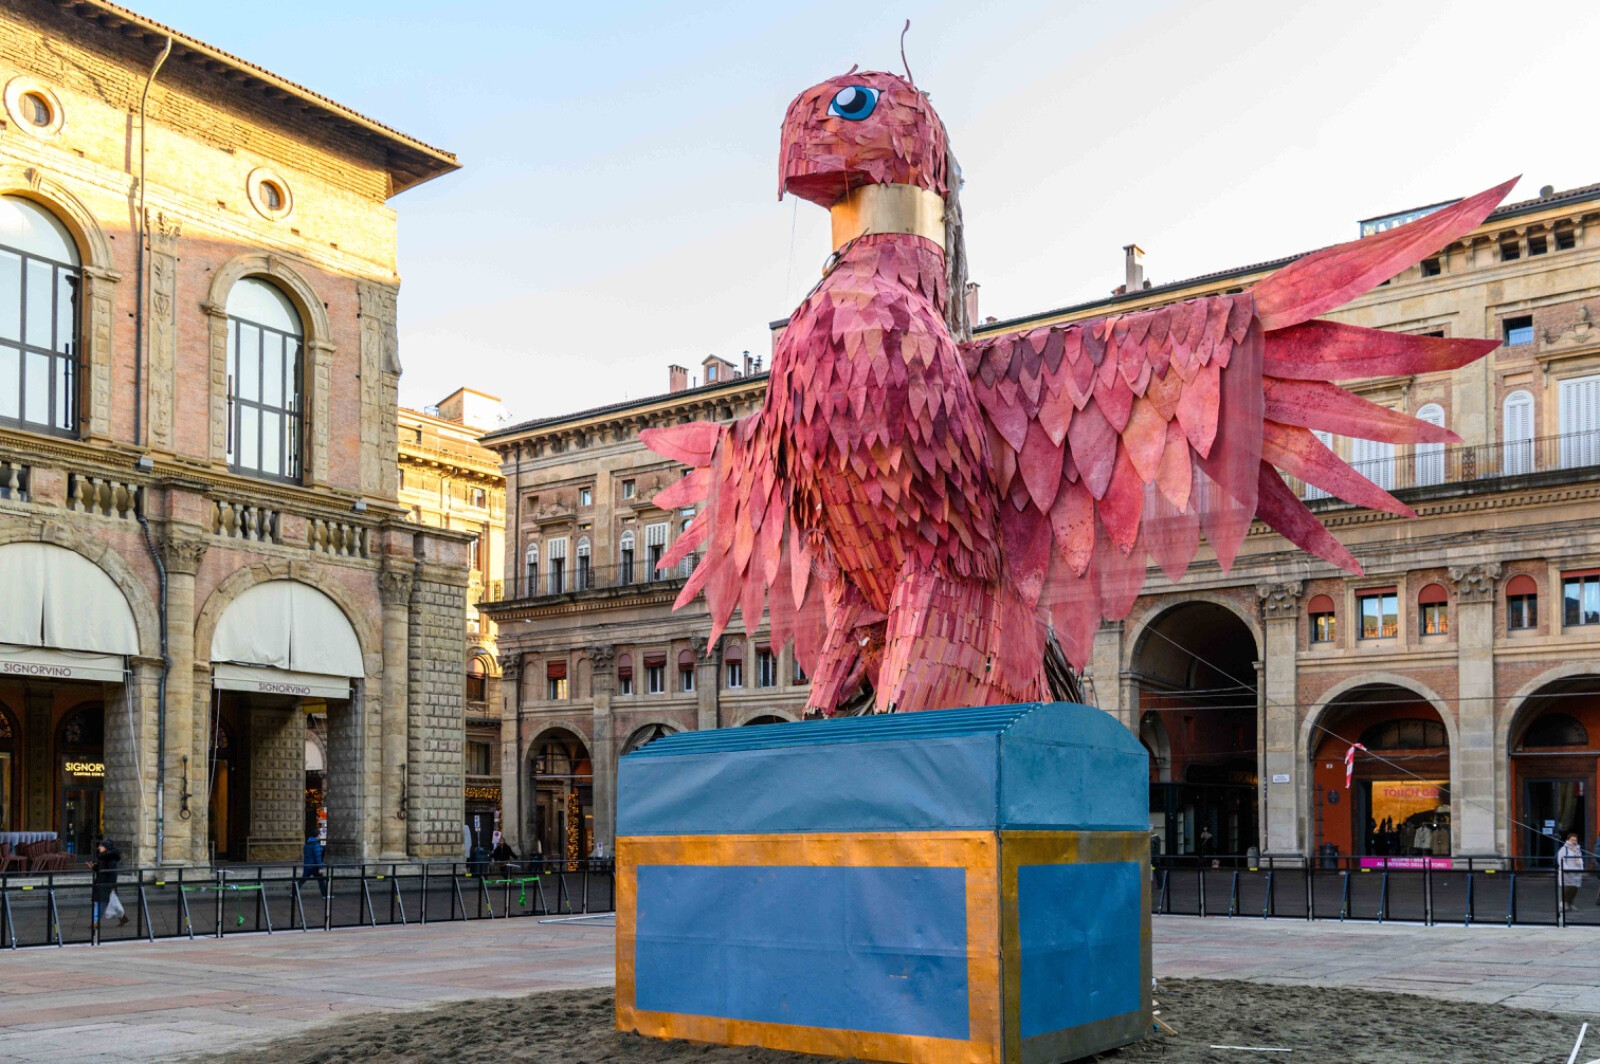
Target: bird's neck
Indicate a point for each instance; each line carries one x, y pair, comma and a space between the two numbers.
876, 210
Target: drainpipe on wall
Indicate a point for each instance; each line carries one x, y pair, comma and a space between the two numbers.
138, 440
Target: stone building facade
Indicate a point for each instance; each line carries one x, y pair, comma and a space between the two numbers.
1466, 661
449, 480
199, 535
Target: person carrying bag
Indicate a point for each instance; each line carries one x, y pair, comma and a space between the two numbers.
107, 857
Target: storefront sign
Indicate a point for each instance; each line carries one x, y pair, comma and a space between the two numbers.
1280, 777
46, 663
85, 769
266, 681
1437, 863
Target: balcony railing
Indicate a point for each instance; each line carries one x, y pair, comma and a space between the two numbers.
574, 579
1432, 465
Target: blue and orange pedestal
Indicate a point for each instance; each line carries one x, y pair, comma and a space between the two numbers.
964, 885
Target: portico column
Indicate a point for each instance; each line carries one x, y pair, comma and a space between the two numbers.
707, 663
604, 755
511, 814
1475, 771
1105, 669
394, 589
182, 551
1282, 771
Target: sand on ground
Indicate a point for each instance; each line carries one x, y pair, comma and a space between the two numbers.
1334, 1025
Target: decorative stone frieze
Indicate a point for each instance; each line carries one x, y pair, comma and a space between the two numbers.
1475, 583
1279, 599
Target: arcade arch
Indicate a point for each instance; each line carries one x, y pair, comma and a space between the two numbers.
1194, 672
561, 778
1553, 745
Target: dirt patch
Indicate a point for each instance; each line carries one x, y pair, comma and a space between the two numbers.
1318, 1024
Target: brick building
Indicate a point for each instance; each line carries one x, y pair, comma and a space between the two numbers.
199, 540
1467, 660
449, 480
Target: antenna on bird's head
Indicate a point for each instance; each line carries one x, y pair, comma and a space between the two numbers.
903, 62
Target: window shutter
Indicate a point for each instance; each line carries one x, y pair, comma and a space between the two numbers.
625, 667
1431, 594
654, 659
1320, 604
557, 549
1430, 456
1517, 435
1521, 584
733, 652
1374, 460
1312, 491
1580, 422
655, 535
556, 670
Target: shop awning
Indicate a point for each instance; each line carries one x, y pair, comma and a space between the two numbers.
268, 681
47, 663
54, 597
287, 625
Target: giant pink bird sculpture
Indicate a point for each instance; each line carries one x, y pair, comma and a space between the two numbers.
920, 510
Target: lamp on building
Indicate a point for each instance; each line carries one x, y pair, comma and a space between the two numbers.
359, 506
144, 463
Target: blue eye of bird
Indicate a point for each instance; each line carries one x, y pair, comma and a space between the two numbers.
854, 102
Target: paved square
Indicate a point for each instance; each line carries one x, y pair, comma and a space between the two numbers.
161, 1001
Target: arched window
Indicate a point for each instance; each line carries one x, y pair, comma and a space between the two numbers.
686, 665
625, 674
1406, 734
647, 735
477, 680
733, 665
1555, 729
625, 558
585, 572
1433, 610
39, 285
265, 379
1522, 602
531, 564
1324, 628
1517, 434
1430, 456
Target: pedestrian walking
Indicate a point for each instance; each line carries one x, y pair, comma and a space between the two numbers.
1569, 863
312, 866
106, 859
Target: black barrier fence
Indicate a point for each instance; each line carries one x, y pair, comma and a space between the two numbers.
1508, 891
57, 908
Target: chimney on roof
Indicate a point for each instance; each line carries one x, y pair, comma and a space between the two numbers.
972, 300
677, 379
1133, 268
747, 363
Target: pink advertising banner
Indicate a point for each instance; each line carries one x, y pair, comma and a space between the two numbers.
1443, 863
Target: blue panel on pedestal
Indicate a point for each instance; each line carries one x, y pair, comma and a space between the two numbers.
866, 949
1079, 931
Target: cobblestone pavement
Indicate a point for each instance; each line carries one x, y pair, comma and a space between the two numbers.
160, 1001
173, 998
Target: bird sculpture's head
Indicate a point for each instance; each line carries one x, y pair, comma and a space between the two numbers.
860, 129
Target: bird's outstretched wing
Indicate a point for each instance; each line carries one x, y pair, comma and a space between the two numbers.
1126, 437
742, 524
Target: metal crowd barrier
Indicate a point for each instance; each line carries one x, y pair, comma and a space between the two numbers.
1508, 891
57, 908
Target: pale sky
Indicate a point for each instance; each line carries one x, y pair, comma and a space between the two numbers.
617, 209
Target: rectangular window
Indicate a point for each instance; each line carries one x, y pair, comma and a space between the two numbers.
686, 678
478, 759
625, 567
1380, 614
711, 374
766, 668
655, 678
264, 381
585, 496
1538, 244
1517, 331
655, 546
556, 579
625, 684
1509, 250
1580, 599
1566, 239
556, 690
800, 673
627, 489
1522, 611
1323, 628
474, 548
1431, 268
480, 498
735, 674
1435, 617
